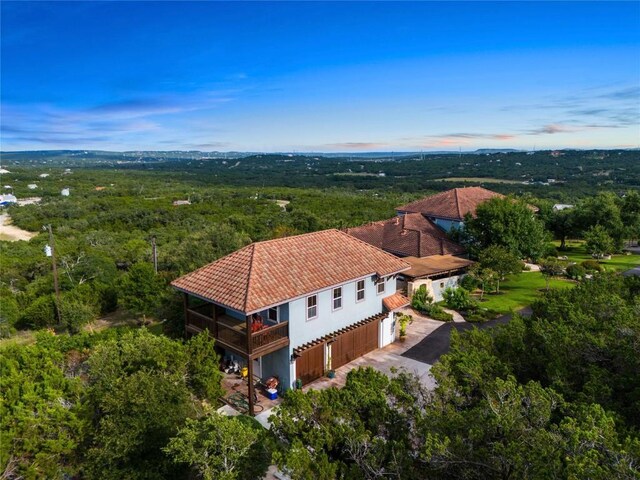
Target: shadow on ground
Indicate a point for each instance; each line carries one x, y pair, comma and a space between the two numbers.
436, 344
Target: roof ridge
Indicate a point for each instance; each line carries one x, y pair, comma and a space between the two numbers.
246, 293
455, 191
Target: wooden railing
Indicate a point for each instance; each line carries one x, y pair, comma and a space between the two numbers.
234, 334
232, 337
200, 321
269, 335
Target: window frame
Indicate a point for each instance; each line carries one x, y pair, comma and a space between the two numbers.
334, 298
314, 306
277, 310
380, 282
363, 290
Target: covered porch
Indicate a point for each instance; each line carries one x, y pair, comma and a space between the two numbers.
250, 339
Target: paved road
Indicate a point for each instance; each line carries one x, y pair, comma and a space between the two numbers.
437, 342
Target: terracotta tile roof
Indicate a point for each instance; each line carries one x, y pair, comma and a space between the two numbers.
434, 265
452, 204
268, 273
410, 235
395, 301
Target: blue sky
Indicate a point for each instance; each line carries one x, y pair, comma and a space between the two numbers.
318, 76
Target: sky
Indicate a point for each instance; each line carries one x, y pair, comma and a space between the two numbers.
319, 76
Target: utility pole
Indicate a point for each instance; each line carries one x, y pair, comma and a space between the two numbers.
155, 254
56, 286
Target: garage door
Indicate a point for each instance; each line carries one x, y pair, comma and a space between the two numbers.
354, 343
310, 364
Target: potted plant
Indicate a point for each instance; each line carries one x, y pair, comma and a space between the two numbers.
330, 372
404, 320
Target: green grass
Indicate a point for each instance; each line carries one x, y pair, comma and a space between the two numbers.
520, 291
576, 253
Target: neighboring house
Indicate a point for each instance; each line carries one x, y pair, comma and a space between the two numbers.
437, 273
562, 206
297, 306
448, 209
7, 199
435, 259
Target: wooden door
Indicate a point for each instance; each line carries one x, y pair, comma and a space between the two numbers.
310, 364
354, 343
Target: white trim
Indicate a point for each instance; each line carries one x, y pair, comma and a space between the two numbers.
364, 290
277, 309
333, 299
383, 282
307, 307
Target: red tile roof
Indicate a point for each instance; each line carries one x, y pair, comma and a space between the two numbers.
435, 265
410, 235
452, 204
395, 301
268, 273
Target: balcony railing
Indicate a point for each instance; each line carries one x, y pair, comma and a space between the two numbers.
232, 332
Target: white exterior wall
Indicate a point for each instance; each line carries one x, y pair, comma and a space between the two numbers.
387, 330
328, 320
434, 287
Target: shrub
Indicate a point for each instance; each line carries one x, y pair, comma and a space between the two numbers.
458, 298
469, 283
437, 313
76, 313
576, 271
591, 266
423, 302
39, 314
421, 298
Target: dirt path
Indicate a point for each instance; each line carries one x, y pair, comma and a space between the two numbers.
11, 233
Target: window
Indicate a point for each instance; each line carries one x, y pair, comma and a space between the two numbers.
380, 286
273, 314
312, 307
360, 291
337, 298
441, 284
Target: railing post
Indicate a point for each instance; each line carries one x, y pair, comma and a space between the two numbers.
249, 335
185, 302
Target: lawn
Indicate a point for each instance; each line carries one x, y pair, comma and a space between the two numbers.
576, 253
520, 290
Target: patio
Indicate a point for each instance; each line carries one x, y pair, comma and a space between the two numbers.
236, 395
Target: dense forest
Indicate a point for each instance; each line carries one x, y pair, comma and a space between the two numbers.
552, 396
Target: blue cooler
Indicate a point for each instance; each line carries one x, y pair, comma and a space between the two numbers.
272, 393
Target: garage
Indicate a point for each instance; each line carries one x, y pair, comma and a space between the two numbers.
354, 343
310, 363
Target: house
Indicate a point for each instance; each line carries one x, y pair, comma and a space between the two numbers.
561, 206
7, 199
297, 306
448, 209
435, 260
410, 235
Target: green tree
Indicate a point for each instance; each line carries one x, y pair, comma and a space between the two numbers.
215, 446
562, 225
598, 242
140, 289
139, 398
551, 267
508, 223
485, 276
500, 260
602, 209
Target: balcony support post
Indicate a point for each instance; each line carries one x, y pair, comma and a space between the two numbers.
185, 302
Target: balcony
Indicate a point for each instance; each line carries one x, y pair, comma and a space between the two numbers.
231, 333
